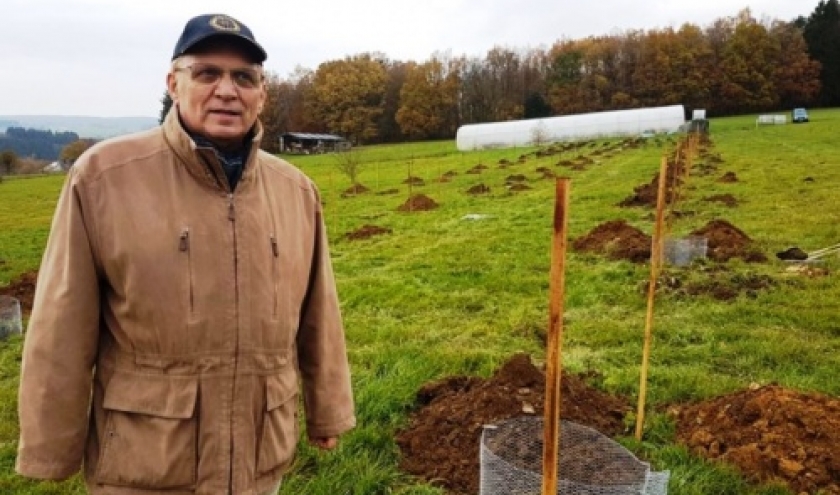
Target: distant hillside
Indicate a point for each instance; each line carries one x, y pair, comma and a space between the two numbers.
85, 127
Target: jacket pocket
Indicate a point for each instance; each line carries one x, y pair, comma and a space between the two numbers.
150, 432
278, 439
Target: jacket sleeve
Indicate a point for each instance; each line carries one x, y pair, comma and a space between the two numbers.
322, 353
60, 345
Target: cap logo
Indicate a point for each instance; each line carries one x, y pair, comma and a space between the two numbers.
224, 23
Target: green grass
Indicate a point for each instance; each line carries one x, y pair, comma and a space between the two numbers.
442, 295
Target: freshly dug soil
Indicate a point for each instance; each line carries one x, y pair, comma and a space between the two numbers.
441, 442
418, 202
727, 199
22, 289
770, 434
727, 241
414, 181
355, 190
478, 189
366, 232
728, 177
617, 240
519, 187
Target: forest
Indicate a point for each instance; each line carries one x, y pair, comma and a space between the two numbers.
736, 65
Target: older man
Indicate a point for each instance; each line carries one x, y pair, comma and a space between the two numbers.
186, 296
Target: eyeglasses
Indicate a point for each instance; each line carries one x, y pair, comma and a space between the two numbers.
245, 78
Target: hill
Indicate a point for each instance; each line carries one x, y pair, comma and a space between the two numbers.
84, 126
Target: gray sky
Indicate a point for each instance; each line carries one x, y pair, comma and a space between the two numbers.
110, 57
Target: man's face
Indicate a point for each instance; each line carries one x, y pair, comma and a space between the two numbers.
217, 94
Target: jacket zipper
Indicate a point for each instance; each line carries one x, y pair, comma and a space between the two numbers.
232, 220
184, 247
275, 250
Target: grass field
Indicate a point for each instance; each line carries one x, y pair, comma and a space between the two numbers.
443, 295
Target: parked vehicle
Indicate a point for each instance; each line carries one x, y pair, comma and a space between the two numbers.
799, 115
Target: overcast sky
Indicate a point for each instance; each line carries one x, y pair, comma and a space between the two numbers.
109, 57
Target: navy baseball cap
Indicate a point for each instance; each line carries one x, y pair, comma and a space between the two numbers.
204, 27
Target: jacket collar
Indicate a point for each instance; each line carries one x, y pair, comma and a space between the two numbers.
201, 162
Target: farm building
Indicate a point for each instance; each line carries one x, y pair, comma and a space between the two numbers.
309, 143
570, 127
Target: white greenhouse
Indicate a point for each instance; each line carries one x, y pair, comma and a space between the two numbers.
570, 127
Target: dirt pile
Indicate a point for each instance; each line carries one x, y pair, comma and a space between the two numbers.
355, 190
414, 181
726, 199
646, 194
728, 178
388, 192
441, 442
727, 241
418, 202
366, 232
22, 289
770, 434
478, 189
617, 240
518, 187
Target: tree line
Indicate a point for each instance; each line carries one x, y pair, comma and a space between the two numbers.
35, 143
735, 65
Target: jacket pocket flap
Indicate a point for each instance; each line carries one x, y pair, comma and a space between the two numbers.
280, 388
155, 395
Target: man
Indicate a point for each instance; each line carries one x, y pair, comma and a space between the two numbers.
185, 295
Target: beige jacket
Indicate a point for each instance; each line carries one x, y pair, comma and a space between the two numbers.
175, 323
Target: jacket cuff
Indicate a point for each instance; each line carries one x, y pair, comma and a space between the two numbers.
44, 470
332, 429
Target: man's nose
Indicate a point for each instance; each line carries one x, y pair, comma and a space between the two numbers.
226, 87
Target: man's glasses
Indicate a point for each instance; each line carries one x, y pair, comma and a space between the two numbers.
245, 78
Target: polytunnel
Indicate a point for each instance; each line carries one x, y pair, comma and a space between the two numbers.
570, 127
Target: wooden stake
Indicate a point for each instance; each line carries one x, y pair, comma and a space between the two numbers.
655, 263
554, 356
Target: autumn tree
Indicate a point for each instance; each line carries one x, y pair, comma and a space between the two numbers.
8, 161
429, 100
347, 96
71, 152
822, 34
796, 77
271, 116
388, 129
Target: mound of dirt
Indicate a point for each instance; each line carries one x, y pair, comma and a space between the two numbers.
515, 178
366, 232
418, 202
646, 194
770, 434
519, 187
441, 442
414, 181
728, 177
477, 169
22, 289
388, 191
727, 241
617, 240
478, 189
355, 190
727, 199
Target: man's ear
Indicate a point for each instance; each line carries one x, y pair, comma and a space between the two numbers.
172, 86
